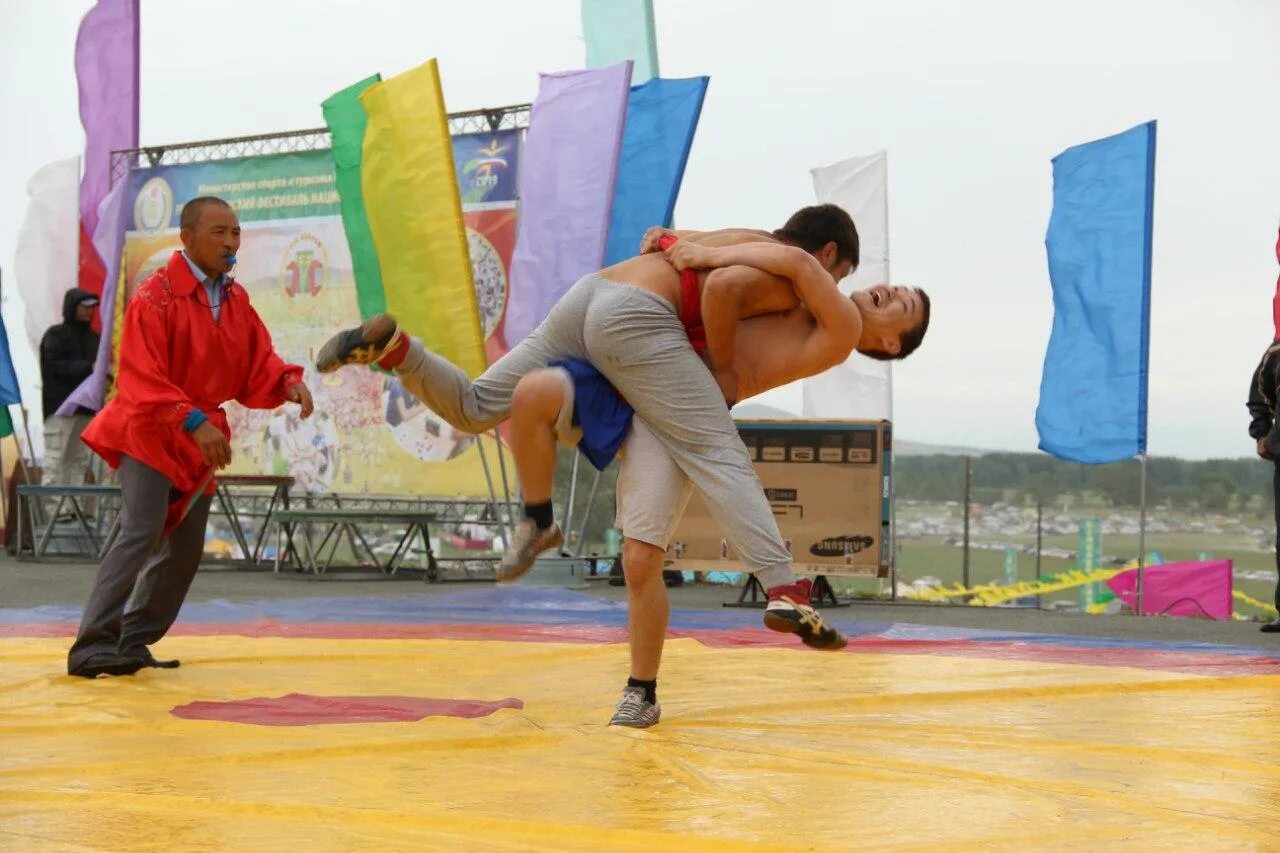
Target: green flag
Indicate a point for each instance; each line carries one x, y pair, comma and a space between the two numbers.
345, 116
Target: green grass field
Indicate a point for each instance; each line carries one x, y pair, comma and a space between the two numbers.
931, 556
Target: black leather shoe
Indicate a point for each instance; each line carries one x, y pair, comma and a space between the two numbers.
1272, 627
107, 663
142, 653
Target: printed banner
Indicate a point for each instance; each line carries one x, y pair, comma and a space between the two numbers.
487, 165
367, 436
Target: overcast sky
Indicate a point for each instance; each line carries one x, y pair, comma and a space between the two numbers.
972, 99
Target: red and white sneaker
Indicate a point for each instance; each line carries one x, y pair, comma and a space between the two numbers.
788, 611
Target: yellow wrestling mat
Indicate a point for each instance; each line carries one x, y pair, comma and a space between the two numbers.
759, 748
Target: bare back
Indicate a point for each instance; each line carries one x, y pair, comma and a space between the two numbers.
770, 351
652, 272
649, 272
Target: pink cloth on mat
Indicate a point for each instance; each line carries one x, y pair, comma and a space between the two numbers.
1179, 589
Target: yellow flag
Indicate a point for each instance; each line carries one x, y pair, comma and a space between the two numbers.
414, 212
415, 216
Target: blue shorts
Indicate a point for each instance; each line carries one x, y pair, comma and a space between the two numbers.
599, 411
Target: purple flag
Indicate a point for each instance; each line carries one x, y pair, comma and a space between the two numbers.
107, 72
108, 239
567, 173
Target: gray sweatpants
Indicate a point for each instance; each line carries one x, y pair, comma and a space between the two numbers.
634, 338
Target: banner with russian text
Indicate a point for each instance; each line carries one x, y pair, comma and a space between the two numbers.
367, 436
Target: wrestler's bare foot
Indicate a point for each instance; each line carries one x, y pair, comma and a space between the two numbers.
365, 344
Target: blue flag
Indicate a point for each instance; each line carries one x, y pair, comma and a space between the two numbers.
1093, 393
9, 394
661, 118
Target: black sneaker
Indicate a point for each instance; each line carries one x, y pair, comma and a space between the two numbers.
364, 344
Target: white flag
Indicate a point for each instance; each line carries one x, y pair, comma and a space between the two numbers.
46, 259
861, 388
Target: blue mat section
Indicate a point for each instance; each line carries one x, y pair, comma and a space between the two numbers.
551, 606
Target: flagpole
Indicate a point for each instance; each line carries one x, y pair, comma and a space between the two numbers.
506, 487
26, 478
26, 428
493, 494
1142, 525
4, 493
893, 498
573, 492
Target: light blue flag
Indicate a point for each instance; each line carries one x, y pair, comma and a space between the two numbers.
661, 118
1093, 394
618, 30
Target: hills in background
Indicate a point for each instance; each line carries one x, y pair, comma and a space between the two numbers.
900, 446
903, 447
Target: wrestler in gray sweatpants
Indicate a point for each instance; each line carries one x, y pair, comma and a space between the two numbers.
142, 580
634, 338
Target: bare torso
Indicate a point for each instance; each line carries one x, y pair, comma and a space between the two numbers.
769, 351
769, 340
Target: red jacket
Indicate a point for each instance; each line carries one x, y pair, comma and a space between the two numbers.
175, 358
1275, 300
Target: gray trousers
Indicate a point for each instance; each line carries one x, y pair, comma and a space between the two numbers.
634, 338
142, 580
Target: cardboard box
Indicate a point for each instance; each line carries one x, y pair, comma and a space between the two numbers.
828, 484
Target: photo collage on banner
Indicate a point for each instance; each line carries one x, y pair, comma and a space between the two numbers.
367, 435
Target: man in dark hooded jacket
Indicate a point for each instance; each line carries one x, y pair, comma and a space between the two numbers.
1265, 430
67, 353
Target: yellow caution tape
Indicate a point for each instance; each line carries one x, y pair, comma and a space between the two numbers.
989, 595
1252, 602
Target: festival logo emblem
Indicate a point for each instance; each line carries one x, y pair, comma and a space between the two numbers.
485, 171
153, 208
304, 272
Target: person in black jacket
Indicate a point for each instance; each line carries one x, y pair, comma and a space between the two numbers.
1264, 429
67, 353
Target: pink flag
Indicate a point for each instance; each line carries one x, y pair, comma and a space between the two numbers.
107, 73
1200, 589
108, 241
